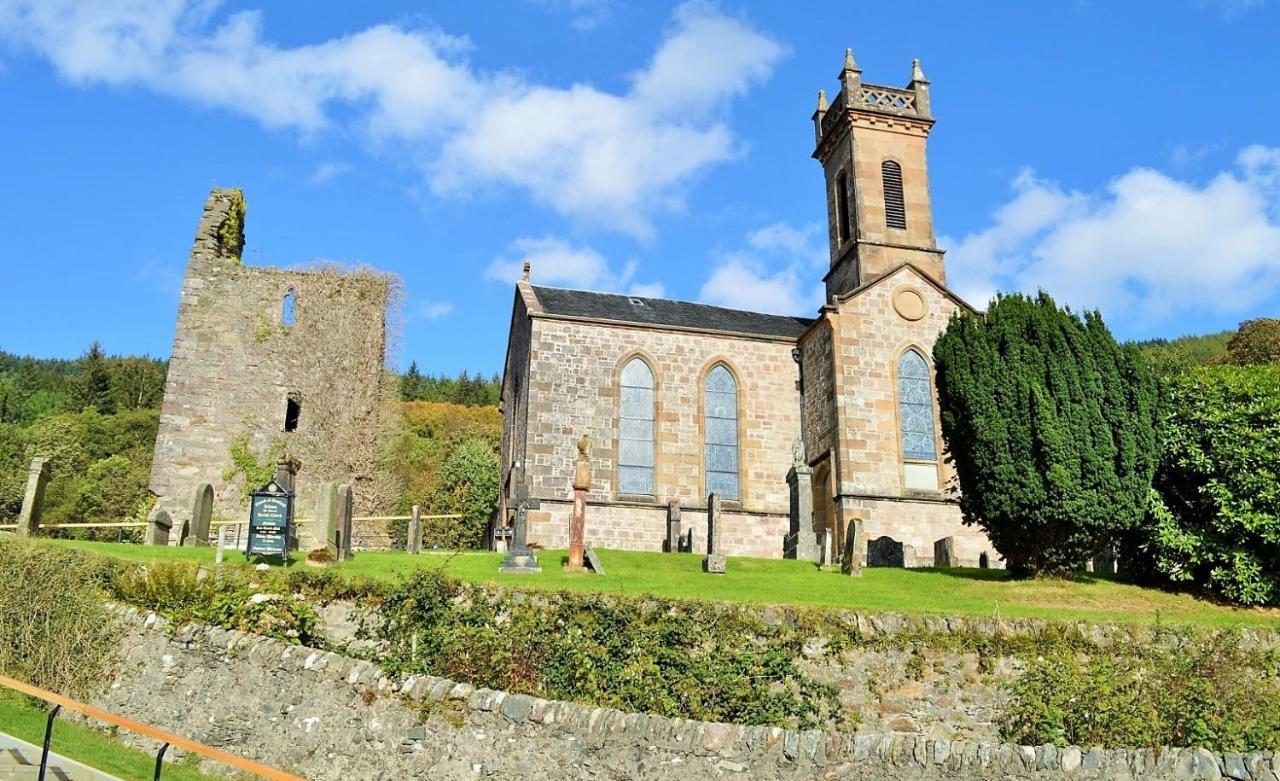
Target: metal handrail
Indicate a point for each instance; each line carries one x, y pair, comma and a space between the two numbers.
167, 738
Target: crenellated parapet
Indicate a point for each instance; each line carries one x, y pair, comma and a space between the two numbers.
858, 99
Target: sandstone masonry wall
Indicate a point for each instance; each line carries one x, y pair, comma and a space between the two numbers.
235, 363
331, 717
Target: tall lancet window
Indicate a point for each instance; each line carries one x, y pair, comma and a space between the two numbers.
895, 208
915, 416
721, 416
635, 429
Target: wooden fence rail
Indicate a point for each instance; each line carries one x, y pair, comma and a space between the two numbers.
167, 738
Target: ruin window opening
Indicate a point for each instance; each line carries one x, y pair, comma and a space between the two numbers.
292, 410
721, 423
635, 429
895, 210
289, 308
842, 207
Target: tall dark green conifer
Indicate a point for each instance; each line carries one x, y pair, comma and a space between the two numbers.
1051, 426
93, 383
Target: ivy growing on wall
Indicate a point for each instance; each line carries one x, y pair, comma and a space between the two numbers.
231, 231
244, 462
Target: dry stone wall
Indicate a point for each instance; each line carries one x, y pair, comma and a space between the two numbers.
331, 717
238, 364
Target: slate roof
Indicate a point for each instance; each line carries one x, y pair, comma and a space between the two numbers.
663, 312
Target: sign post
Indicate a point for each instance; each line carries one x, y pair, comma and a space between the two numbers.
271, 522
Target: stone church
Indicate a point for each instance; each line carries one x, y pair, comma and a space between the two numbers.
804, 426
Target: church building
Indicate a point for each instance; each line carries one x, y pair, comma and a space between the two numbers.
804, 426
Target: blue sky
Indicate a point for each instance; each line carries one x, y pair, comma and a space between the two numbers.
1124, 156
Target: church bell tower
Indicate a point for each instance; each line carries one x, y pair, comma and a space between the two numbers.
871, 143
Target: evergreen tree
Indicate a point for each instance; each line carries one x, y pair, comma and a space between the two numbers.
411, 384
93, 384
1051, 427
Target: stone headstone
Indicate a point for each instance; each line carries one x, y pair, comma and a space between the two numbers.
714, 563
520, 557
201, 516
1105, 562
341, 542
851, 562
326, 516
984, 560
33, 500
672, 543
909, 555
803, 539
686, 541
944, 552
158, 528
824, 553
593, 561
578, 516
413, 537
885, 552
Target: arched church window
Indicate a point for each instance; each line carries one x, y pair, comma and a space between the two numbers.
289, 308
721, 417
895, 210
842, 206
635, 429
915, 408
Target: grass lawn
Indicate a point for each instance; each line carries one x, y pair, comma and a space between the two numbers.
974, 592
21, 719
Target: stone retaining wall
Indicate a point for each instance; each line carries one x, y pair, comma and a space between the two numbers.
331, 717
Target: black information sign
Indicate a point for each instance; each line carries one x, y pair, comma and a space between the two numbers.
271, 522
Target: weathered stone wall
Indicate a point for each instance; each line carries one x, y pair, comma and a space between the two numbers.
235, 363
330, 717
819, 389
515, 387
573, 390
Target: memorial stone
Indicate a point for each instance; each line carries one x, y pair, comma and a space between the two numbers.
33, 500
578, 517
672, 543
413, 537
593, 561
884, 552
520, 557
944, 552
1105, 562
325, 522
714, 563
341, 542
851, 562
803, 539
201, 516
158, 528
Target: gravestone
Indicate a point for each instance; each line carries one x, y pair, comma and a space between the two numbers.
326, 517
593, 561
520, 557
714, 563
908, 555
1105, 562
413, 537
944, 552
158, 528
578, 516
33, 500
824, 550
672, 543
686, 541
884, 552
851, 562
802, 540
201, 516
984, 560
340, 542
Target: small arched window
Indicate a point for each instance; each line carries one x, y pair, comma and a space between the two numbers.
635, 429
292, 411
915, 408
842, 207
289, 308
895, 210
721, 399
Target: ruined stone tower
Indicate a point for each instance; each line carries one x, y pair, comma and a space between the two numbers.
284, 361
871, 143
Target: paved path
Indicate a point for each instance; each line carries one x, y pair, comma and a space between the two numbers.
20, 761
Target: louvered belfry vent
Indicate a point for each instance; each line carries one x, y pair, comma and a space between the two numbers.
895, 211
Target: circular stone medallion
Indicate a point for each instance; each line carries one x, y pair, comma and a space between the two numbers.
908, 303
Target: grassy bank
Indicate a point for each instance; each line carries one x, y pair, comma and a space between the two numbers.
972, 592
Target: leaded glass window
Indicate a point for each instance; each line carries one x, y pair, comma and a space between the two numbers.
635, 429
915, 407
722, 433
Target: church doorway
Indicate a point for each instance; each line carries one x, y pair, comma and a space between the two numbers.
824, 510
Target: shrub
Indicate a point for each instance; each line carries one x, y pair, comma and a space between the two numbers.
693, 660
469, 481
1204, 692
1257, 342
1216, 520
55, 631
1051, 427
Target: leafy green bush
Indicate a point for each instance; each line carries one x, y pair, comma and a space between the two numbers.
469, 481
1216, 521
1052, 429
1197, 692
692, 660
55, 631
1256, 343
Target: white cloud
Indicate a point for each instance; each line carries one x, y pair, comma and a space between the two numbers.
433, 310
1147, 249
775, 273
584, 15
555, 262
328, 171
612, 159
